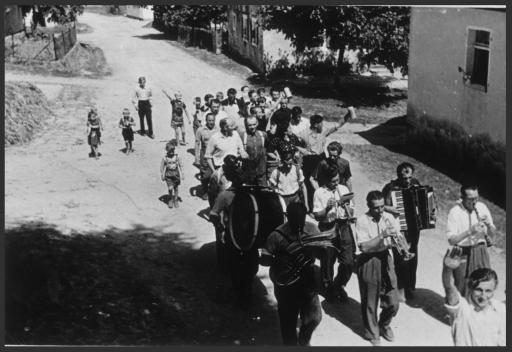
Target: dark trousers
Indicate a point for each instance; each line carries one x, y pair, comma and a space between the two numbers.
344, 241
406, 270
473, 258
298, 299
205, 173
242, 267
145, 110
377, 281
309, 164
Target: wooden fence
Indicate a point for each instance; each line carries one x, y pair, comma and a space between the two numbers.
64, 41
210, 40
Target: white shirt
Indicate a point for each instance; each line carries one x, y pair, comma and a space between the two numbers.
301, 126
459, 220
220, 145
142, 94
367, 228
322, 196
478, 328
287, 183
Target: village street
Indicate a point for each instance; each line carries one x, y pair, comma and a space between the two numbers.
52, 180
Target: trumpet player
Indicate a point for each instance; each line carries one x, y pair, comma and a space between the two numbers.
375, 235
470, 227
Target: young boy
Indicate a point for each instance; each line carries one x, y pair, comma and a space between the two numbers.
477, 319
125, 123
171, 172
198, 115
94, 128
178, 108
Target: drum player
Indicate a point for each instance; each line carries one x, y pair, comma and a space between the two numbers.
241, 266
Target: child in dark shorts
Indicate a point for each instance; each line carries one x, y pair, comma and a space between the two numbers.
125, 123
171, 172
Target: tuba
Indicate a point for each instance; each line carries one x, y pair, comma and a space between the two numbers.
399, 242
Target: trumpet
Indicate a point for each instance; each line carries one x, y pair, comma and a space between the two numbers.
399, 242
488, 239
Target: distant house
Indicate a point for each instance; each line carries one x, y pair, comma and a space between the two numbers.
248, 41
13, 20
141, 13
457, 67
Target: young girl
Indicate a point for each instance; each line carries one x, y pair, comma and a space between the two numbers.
171, 172
125, 123
94, 128
178, 109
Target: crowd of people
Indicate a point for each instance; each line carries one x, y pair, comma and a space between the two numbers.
249, 138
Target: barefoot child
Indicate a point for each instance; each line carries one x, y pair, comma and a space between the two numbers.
171, 172
125, 123
94, 128
178, 108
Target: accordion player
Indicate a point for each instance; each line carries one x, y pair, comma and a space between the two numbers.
414, 205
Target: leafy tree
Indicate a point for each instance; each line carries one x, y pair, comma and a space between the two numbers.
57, 13
382, 30
201, 16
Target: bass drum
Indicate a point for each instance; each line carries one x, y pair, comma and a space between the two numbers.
254, 213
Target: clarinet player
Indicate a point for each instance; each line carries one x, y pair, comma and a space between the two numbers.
470, 227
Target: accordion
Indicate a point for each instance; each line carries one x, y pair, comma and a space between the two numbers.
416, 206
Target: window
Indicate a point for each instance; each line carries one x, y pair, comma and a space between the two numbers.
477, 58
245, 28
254, 31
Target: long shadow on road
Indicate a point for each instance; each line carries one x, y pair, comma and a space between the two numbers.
142, 286
349, 314
431, 303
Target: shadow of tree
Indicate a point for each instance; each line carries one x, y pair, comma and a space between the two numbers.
431, 303
153, 36
142, 286
349, 314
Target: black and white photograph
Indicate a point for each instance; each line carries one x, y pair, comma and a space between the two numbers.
255, 175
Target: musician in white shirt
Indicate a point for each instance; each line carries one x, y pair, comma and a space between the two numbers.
375, 268
470, 227
405, 270
332, 216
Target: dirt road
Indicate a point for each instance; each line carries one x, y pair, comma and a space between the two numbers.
53, 180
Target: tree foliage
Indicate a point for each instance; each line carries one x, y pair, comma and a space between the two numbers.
57, 13
201, 16
382, 30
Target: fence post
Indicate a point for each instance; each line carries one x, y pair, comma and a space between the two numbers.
12, 44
